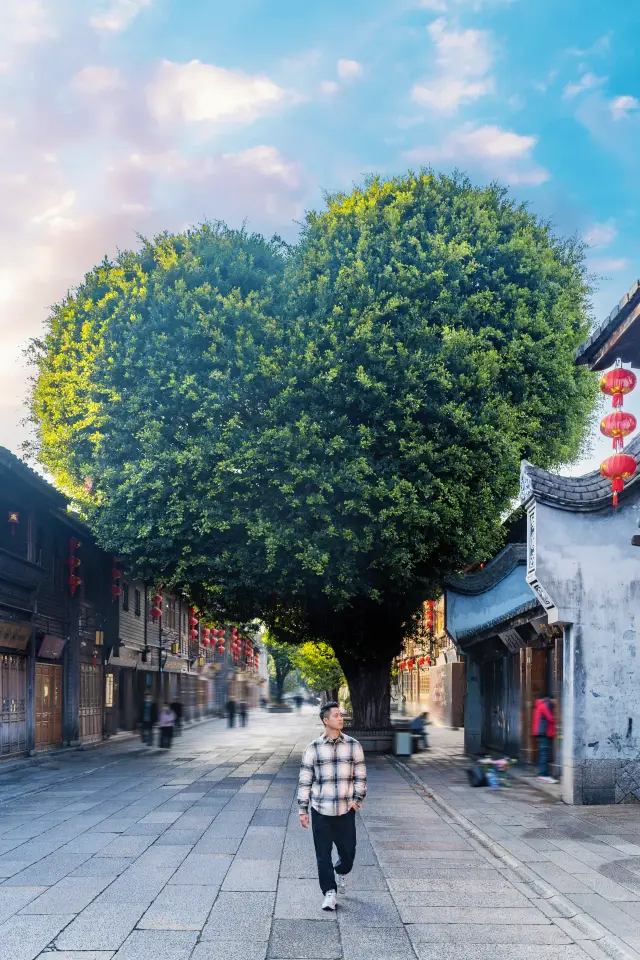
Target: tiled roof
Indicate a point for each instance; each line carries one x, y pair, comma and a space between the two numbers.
586, 352
526, 611
588, 492
492, 573
9, 461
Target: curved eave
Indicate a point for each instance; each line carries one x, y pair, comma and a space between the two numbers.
521, 614
496, 570
577, 494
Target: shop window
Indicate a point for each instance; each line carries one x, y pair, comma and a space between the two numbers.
125, 596
137, 599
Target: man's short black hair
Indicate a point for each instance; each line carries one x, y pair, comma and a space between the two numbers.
327, 707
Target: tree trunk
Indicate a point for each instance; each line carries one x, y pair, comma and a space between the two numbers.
370, 689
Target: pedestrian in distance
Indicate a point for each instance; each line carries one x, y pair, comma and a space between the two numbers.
242, 712
419, 729
149, 719
264, 703
333, 782
176, 706
231, 712
166, 721
299, 700
544, 730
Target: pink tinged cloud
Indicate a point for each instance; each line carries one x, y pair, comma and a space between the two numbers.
201, 93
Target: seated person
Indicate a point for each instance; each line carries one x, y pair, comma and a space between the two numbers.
418, 730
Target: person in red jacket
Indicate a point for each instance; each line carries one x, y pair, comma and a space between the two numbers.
544, 730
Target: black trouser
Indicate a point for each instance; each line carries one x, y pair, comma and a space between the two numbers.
147, 733
166, 736
232, 718
243, 719
326, 832
544, 756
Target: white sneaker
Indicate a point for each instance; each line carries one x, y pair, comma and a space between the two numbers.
329, 900
341, 880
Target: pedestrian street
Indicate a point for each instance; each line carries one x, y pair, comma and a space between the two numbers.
196, 853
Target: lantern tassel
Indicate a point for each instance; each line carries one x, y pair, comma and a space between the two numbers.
618, 400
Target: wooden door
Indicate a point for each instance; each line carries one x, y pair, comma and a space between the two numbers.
13, 699
535, 678
48, 705
90, 702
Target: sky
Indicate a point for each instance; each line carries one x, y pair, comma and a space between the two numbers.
121, 118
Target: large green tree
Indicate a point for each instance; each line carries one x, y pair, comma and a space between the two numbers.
317, 436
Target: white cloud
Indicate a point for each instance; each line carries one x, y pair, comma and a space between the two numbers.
588, 81
118, 14
329, 86
610, 264
198, 92
621, 107
94, 80
26, 21
463, 60
600, 234
441, 5
498, 152
349, 69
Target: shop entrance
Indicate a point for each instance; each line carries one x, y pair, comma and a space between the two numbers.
48, 705
90, 719
13, 698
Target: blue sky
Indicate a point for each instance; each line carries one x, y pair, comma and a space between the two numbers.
120, 117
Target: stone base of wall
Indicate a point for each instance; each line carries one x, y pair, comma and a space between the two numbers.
607, 781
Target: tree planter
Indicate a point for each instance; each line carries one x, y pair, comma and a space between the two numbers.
373, 741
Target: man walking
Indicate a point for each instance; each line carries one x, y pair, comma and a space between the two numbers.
544, 730
333, 778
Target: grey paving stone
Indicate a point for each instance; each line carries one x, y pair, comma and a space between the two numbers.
410, 901
366, 944
309, 939
368, 909
180, 908
127, 846
69, 895
249, 875
103, 867
13, 899
237, 917
89, 843
23, 938
136, 886
173, 837
276, 817
300, 900
217, 845
483, 915
76, 955
203, 869
102, 926
157, 944
474, 933
262, 843
496, 951
230, 950
48, 871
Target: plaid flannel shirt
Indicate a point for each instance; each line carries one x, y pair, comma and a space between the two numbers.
332, 776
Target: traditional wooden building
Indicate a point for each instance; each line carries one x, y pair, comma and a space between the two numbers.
79, 644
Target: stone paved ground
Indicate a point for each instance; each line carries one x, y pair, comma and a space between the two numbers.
197, 854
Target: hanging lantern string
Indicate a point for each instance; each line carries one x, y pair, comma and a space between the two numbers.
617, 425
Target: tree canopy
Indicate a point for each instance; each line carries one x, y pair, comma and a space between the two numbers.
319, 668
318, 435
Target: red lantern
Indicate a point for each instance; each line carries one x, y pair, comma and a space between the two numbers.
618, 382
618, 468
193, 634
115, 576
115, 591
618, 425
156, 609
